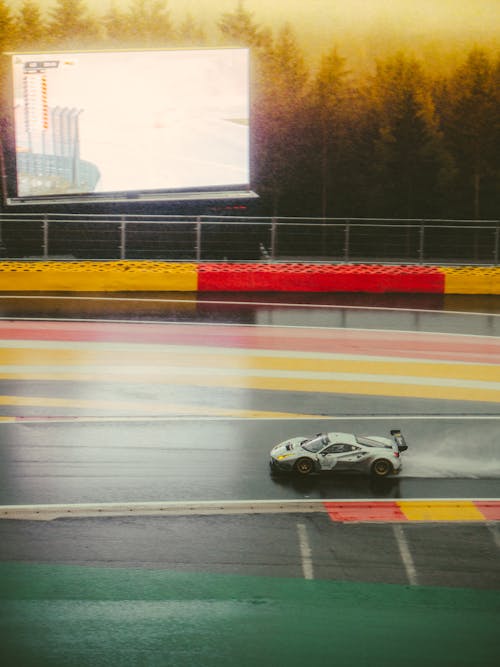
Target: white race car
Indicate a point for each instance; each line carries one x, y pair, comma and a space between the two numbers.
339, 452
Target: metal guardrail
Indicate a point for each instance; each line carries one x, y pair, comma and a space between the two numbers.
221, 238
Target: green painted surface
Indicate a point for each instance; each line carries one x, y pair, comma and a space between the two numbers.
69, 615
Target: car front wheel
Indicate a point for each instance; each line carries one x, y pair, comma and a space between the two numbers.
304, 466
381, 468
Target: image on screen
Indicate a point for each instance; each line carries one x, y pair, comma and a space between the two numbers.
101, 122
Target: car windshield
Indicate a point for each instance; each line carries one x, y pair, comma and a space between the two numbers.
317, 443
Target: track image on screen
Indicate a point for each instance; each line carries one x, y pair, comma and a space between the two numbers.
129, 121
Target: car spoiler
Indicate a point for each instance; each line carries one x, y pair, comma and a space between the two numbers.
399, 440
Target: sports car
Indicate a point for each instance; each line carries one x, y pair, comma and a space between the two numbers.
340, 452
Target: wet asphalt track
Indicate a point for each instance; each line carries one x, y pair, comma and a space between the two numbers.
83, 441
98, 439
227, 459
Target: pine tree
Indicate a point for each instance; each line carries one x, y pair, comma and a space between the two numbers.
239, 29
191, 33
8, 36
31, 27
471, 123
70, 25
408, 147
115, 24
8, 32
8, 39
280, 119
147, 24
327, 116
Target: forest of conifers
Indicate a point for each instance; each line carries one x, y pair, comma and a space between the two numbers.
402, 140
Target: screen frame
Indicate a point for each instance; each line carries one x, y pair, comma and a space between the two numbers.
9, 166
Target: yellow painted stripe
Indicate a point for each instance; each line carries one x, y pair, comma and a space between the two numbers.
451, 510
99, 276
241, 360
471, 280
143, 408
277, 384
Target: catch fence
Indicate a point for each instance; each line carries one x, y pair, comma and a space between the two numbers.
220, 238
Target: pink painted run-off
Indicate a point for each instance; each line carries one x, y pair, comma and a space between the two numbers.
490, 509
364, 511
416, 345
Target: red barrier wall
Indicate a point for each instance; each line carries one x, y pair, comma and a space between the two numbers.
319, 278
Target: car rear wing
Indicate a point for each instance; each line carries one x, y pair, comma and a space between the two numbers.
399, 440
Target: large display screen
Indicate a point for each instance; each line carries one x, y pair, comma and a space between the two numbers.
131, 121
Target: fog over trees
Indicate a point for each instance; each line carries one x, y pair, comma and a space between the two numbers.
399, 139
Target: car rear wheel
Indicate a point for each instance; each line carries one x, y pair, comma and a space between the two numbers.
381, 468
304, 466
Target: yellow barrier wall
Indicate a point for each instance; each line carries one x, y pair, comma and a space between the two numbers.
119, 276
471, 280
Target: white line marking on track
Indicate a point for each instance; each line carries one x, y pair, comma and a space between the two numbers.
197, 301
406, 556
47, 512
98, 320
195, 417
305, 552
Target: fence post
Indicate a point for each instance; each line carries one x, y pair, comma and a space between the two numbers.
273, 238
421, 242
495, 246
123, 238
197, 248
45, 242
3, 249
347, 232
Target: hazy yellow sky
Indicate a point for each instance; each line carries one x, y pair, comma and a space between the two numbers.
351, 25
467, 14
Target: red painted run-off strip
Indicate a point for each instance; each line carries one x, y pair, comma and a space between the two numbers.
319, 278
386, 511
365, 511
489, 509
416, 345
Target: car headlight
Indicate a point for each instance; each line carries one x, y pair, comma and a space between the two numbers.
283, 456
